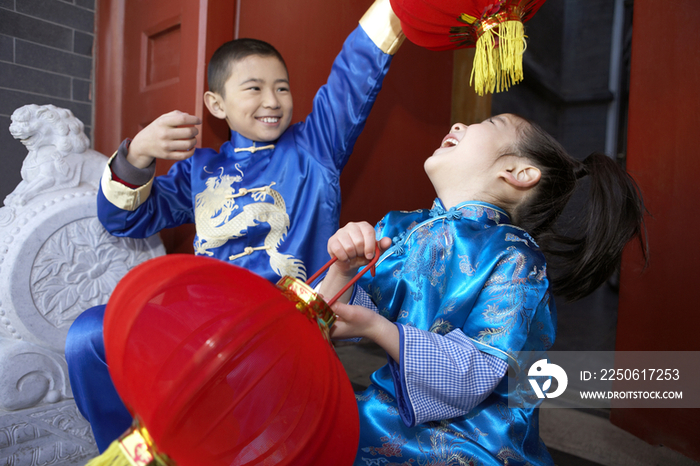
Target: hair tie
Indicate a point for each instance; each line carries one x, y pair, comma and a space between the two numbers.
580, 171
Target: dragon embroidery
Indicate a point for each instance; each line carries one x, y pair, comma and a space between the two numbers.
510, 296
218, 218
426, 260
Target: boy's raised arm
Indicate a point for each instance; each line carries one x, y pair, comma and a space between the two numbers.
383, 26
342, 105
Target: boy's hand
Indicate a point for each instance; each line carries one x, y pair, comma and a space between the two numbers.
171, 136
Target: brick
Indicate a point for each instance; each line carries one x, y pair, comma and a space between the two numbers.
81, 90
39, 82
59, 12
35, 30
89, 4
48, 59
82, 43
13, 154
7, 48
12, 100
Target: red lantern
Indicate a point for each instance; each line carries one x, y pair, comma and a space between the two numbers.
220, 368
494, 27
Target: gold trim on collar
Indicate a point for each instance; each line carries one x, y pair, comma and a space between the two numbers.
253, 149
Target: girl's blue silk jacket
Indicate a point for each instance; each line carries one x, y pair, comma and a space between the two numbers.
464, 269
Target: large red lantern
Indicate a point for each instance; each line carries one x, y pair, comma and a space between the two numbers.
220, 368
494, 27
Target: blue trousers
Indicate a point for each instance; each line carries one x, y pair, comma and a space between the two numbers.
94, 392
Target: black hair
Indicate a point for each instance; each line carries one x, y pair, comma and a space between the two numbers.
613, 214
219, 69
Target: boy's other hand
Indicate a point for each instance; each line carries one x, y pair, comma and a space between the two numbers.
171, 137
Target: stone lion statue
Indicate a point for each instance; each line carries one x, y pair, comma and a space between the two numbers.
58, 156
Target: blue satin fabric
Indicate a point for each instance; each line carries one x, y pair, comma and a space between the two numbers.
303, 168
94, 393
465, 268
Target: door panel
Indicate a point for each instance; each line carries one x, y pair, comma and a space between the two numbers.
159, 51
151, 59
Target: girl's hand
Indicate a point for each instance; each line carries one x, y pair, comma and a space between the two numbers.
358, 321
354, 246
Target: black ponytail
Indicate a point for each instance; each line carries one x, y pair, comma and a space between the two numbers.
612, 215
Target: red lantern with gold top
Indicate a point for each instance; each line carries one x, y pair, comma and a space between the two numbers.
219, 367
494, 27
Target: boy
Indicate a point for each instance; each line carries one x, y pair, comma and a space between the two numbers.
268, 201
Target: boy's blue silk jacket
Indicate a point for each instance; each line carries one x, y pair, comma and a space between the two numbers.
267, 207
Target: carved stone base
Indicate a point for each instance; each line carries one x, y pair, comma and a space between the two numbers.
56, 261
55, 434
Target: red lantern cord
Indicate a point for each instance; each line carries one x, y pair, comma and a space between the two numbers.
370, 266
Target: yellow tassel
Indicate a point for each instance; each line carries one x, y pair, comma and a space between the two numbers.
483, 71
113, 456
134, 448
498, 64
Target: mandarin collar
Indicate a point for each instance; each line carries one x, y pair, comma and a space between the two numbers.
477, 211
245, 147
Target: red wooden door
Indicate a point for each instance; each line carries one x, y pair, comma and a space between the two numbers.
151, 59
658, 308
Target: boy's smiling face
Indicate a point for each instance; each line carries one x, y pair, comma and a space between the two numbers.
257, 102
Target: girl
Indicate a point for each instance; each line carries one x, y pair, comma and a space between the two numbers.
462, 292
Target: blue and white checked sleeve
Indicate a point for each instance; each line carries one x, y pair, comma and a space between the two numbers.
361, 298
441, 376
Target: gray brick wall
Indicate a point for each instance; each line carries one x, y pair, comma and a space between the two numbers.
46, 57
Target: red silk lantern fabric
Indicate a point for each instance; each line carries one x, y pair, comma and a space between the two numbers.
223, 369
452, 24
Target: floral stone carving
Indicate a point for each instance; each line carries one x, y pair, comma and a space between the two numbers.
56, 260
